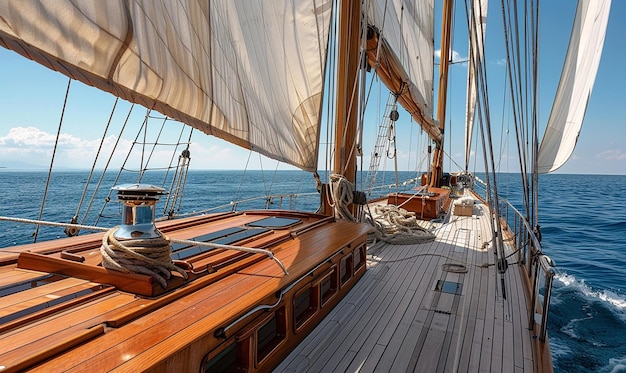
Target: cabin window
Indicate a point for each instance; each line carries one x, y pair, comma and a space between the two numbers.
225, 361
328, 286
304, 305
359, 258
270, 334
345, 268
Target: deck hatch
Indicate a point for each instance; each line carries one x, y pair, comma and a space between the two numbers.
223, 237
274, 222
449, 287
208, 237
28, 284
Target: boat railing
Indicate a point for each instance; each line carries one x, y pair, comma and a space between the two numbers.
539, 267
307, 201
287, 201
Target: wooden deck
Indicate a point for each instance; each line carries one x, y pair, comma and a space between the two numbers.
433, 307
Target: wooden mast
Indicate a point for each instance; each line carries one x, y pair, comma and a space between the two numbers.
444, 63
347, 75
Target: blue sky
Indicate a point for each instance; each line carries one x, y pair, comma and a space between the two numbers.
31, 100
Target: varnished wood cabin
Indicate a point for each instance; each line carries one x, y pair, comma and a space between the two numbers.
61, 311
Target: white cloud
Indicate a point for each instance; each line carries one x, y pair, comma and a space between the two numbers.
611, 155
456, 57
30, 147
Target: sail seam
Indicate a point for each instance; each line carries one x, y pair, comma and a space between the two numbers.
125, 43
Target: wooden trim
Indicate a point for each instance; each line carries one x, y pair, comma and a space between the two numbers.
313, 307
346, 277
52, 348
332, 275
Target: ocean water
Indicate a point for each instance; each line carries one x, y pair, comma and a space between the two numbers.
582, 217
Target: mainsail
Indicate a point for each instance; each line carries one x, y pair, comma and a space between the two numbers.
400, 47
249, 72
577, 78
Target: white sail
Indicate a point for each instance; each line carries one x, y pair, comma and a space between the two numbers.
407, 26
250, 72
405, 59
476, 53
577, 78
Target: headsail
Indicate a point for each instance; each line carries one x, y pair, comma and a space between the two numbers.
478, 22
577, 78
251, 73
400, 47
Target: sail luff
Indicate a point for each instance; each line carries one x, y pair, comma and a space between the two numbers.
251, 73
577, 79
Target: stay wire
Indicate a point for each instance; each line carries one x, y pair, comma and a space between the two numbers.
106, 167
54, 151
93, 167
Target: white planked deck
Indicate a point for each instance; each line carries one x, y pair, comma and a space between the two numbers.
395, 320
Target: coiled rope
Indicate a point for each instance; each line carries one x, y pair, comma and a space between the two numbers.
396, 225
150, 257
342, 194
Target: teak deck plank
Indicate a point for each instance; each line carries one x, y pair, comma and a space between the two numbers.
11, 275
41, 294
394, 320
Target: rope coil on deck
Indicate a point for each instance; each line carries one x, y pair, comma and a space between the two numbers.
396, 225
146, 256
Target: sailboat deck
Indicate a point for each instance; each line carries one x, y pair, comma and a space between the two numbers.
431, 307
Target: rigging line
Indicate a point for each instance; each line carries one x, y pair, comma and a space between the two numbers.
408, 163
497, 240
128, 154
143, 147
179, 180
54, 151
93, 167
350, 105
152, 151
353, 97
273, 180
183, 183
331, 101
243, 175
175, 152
452, 160
263, 175
535, 85
488, 155
519, 134
362, 71
106, 167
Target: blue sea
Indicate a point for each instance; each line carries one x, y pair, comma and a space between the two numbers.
583, 221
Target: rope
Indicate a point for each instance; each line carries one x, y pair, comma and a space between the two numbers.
54, 152
342, 194
396, 225
74, 232
252, 250
147, 256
